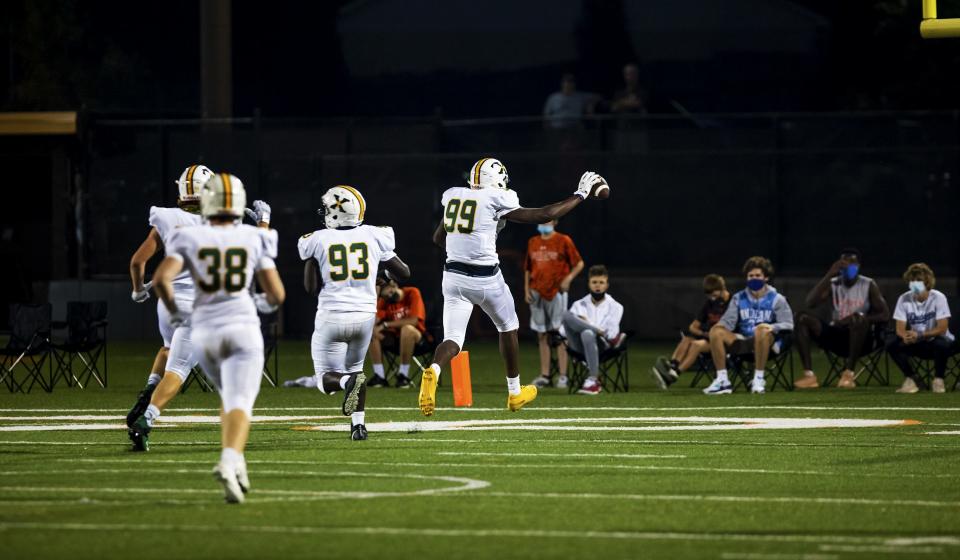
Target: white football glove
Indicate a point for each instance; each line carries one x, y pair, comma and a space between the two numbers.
260, 213
587, 180
140, 296
263, 306
178, 318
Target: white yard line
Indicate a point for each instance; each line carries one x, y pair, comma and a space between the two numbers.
519, 454
881, 549
440, 532
764, 556
944, 433
534, 408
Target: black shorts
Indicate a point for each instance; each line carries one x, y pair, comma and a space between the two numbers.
836, 340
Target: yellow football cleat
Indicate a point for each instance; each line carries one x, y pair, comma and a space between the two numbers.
428, 391
527, 394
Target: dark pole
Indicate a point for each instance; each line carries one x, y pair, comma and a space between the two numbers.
216, 69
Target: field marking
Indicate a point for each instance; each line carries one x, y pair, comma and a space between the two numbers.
168, 419
120, 412
375, 531
881, 549
611, 455
539, 466
525, 441
946, 433
766, 556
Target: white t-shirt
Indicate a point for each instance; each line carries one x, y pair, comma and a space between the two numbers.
349, 260
922, 316
167, 220
222, 261
605, 315
471, 217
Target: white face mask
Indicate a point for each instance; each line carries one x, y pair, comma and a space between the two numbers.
917, 287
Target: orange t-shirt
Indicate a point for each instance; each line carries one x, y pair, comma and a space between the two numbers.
549, 261
410, 305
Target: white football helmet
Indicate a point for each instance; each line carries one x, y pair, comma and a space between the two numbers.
343, 206
223, 195
190, 184
488, 172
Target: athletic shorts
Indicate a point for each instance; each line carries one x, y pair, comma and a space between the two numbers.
547, 314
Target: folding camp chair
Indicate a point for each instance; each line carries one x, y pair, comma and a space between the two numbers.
423, 352
779, 365
874, 362
197, 376
703, 369
85, 342
614, 367
28, 346
270, 329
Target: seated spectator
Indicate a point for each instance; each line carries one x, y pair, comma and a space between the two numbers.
754, 322
695, 340
631, 98
551, 264
401, 323
567, 107
857, 306
922, 316
593, 325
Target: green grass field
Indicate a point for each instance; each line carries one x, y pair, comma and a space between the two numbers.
648, 474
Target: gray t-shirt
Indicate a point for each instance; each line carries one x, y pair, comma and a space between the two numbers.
922, 316
565, 111
848, 300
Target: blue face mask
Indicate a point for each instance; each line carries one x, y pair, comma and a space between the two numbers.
917, 287
851, 271
756, 284
545, 229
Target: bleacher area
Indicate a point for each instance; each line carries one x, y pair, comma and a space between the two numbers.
823, 474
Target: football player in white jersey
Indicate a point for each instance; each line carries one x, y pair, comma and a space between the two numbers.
472, 218
343, 260
222, 257
176, 358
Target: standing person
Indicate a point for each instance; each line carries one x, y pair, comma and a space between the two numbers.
753, 322
593, 324
551, 264
223, 257
857, 305
401, 324
696, 339
472, 217
631, 98
567, 107
922, 316
342, 260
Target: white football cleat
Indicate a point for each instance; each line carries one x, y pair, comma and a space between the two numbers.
758, 386
227, 476
242, 479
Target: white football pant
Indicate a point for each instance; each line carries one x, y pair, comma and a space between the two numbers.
232, 359
461, 293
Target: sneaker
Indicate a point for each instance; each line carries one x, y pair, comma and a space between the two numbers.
938, 386
242, 479
561, 382
428, 391
719, 388
290, 383
847, 380
227, 476
377, 381
590, 387
358, 432
663, 375
143, 401
541, 381
758, 386
806, 382
909, 386
403, 382
139, 434
527, 394
351, 393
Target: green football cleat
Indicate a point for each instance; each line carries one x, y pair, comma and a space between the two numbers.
143, 401
139, 434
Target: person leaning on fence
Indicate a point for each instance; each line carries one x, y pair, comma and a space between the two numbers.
552, 263
752, 323
593, 324
922, 316
695, 339
857, 305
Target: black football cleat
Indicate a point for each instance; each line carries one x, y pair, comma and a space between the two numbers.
358, 433
351, 393
143, 401
377, 381
139, 434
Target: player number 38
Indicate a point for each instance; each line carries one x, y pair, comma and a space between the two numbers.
226, 270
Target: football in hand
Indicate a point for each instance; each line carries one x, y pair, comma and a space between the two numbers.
600, 189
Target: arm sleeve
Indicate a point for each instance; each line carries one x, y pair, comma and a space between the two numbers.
387, 243
900, 312
306, 246
505, 202
943, 308
573, 256
784, 315
730, 316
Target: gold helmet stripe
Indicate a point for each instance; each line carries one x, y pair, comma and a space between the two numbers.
363, 203
227, 190
476, 172
190, 172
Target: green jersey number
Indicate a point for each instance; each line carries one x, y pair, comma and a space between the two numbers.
463, 212
340, 266
227, 269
